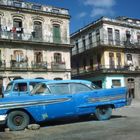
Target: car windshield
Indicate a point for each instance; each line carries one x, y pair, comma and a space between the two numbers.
9, 87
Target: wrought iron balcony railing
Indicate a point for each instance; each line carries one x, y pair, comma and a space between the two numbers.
40, 65
105, 42
58, 65
106, 68
18, 65
43, 66
29, 37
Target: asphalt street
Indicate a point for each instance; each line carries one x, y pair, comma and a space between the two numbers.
123, 125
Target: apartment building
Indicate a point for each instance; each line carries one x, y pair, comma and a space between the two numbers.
34, 41
107, 52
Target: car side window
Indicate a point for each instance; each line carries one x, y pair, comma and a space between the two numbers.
77, 87
40, 88
32, 85
59, 89
20, 87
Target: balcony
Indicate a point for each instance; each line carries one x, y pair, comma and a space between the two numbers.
33, 6
41, 65
107, 43
58, 66
6, 35
105, 69
18, 65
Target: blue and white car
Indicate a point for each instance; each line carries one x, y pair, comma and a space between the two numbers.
57, 99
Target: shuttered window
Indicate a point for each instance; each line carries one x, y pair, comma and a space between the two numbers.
56, 34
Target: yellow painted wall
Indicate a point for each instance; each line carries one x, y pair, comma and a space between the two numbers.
105, 60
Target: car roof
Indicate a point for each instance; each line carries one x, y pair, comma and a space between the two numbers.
67, 81
29, 80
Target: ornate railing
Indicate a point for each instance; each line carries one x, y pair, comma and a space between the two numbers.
30, 37
40, 65
58, 66
105, 68
105, 42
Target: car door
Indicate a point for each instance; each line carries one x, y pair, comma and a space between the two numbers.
65, 104
52, 101
81, 95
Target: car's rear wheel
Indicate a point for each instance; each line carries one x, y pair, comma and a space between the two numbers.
17, 120
103, 112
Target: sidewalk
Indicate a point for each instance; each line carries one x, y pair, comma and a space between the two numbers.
135, 103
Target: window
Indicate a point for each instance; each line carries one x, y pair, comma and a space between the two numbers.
84, 42
138, 39
98, 36
17, 23
40, 88
117, 37
77, 88
77, 46
32, 85
20, 87
9, 87
58, 78
18, 56
129, 57
128, 36
118, 59
38, 57
57, 58
90, 38
37, 33
17, 26
59, 89
111, 60
110, 36
56, 33
116, 83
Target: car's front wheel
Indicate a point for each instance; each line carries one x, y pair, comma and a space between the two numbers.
103, 112
17, 120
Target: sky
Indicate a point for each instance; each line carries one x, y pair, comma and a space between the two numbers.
83, 12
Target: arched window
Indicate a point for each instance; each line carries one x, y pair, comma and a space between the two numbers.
18, 55
58, 78
38, 56
56, 33
129, 57
37, 33
17, 25
57, 58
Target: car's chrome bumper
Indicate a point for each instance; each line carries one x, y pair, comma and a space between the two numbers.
3, 119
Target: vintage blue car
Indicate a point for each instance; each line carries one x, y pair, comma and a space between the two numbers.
57, 99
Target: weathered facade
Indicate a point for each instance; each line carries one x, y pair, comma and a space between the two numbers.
34, 41
109, 53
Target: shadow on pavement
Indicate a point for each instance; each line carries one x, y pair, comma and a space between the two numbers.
69, 121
